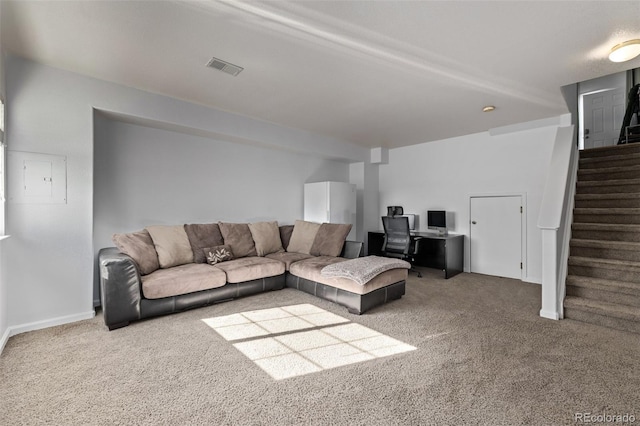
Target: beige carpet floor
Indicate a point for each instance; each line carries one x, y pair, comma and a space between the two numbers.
483, 356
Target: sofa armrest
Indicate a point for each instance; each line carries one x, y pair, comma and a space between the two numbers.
120, 287
352, 249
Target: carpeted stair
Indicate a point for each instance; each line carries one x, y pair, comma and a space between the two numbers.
603, 282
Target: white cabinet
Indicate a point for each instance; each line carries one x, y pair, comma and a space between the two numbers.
332, 202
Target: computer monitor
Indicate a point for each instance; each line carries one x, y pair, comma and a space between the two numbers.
412, 221
437, 220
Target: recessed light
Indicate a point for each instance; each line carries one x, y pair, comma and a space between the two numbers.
488, 108
625, 51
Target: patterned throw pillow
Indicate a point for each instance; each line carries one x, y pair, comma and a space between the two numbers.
218, 254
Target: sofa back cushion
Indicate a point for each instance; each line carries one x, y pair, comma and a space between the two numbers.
202, 236
172, 244
266, 237
238, 237
330, 239
139, 246
285, 235
302, 236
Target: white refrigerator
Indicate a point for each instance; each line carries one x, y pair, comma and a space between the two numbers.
332, 202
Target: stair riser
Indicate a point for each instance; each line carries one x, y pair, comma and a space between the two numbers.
585, 188
614, 150
606, 253
604, 321
629, 174
605, 296
629, 219
610, 274
633, 203
583, 165
632, 237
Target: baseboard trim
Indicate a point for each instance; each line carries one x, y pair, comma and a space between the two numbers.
532, 280
4, 339
38, 325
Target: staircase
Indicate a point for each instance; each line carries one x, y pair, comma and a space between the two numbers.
603, 282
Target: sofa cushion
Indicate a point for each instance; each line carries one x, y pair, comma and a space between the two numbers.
172, 244
266, 237
330, 239
311, 268
218, 254
302, 236
288, 258
238, 237
139, 246
285, 235
203, 236
181, 280
250, 268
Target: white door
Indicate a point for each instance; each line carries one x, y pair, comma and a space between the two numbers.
603, 114
496, 236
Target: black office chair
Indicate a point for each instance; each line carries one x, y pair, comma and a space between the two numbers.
398, 242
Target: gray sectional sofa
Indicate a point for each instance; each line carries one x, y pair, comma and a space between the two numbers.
166, 269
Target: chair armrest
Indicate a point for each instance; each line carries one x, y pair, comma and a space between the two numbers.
120, 287
352, 249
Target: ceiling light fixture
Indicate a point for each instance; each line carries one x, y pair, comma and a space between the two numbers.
625, 51
488, 108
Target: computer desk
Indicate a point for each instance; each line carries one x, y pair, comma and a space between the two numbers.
444, 252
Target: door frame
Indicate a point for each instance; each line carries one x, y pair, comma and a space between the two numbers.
523, 226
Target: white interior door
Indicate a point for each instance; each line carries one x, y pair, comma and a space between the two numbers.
496, 236
603, 115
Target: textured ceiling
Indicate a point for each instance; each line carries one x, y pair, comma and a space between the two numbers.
375, 73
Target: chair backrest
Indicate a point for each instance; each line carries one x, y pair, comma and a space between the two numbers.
397, 236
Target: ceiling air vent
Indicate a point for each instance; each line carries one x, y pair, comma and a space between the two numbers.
224, 66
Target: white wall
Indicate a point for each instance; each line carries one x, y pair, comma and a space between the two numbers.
4, 326
442, 175
145, 176
49, 260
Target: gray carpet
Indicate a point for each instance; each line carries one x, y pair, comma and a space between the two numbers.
483, 356
603, 283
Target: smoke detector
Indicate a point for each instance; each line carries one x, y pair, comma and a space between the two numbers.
224, 66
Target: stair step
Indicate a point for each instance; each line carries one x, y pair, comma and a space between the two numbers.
604, 231
608, 186
609, 173
612, 269
612, 315
611, 291
604, 215
620, 250
611, 200
609, 161
607, 151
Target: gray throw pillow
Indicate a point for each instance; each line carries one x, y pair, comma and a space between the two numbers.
203, 236
238, 237
266, 237
302, 236
139, 246
330, 239
172, 245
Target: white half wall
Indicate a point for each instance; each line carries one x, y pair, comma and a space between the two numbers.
49, 261
442, 175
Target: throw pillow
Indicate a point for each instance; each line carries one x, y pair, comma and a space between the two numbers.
302, 236
203, 236
285, 235
139, 246
172, 245
238, 237
266, 236
330, 239
217, 254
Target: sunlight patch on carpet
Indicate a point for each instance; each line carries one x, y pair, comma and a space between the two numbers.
300, 339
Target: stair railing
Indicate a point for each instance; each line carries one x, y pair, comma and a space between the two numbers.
556, 216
